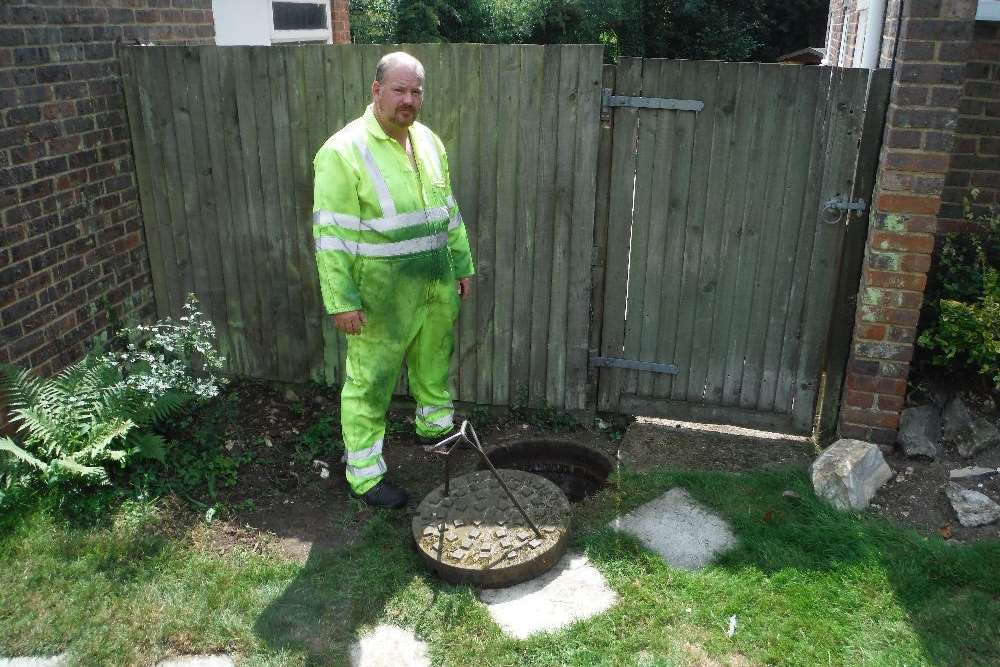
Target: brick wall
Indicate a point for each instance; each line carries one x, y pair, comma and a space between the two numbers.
340, 11
975, 156
71, 240
928, 87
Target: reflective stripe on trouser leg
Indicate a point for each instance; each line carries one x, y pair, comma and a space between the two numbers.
428, 359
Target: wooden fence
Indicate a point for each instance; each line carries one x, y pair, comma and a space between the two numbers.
224, 139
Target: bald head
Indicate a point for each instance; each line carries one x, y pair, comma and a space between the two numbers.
396, 60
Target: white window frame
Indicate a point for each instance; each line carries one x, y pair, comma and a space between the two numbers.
989, 10
318, 35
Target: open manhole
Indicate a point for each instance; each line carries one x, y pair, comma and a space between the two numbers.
476, 535
578, 470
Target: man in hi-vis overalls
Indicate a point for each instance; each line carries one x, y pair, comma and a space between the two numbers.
394, 262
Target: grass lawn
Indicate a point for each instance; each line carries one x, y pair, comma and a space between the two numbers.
807, 585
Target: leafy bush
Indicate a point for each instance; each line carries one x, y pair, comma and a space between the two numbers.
964, 300
712, 29
98, 412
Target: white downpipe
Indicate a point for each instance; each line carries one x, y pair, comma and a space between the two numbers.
873, 34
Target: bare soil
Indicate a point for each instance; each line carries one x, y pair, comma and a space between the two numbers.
284, 500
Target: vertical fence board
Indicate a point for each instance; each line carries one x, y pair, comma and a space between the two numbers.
713, 223
530, 85
691, 191
145, 168
673, 189
733, 215
628, 81
508, 97
642, 210
786, 221
242, 258
582, 235
542, 273
216, 202
770, 201
486, 232
465, 180
799, 223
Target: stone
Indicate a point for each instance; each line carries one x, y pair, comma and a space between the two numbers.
973, 471
571, 591
968, 432
920, 431
389, 646
848, 473
972, 507
683, 532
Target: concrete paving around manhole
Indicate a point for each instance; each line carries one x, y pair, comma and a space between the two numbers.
571, 591
683, 532
37, 661
198, 661
389, 646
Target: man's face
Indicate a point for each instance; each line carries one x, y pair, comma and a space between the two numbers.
399, 96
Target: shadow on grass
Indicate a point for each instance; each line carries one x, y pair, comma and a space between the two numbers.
948, 595
339, 591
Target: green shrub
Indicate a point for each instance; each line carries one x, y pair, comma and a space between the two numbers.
964, 300
99, 412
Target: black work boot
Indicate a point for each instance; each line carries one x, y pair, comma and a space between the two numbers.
385, 495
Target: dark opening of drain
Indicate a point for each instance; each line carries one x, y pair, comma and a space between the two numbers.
579, 471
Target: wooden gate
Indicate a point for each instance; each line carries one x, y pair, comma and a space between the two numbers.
723, 256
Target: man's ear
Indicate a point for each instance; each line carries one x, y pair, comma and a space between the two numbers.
376, 88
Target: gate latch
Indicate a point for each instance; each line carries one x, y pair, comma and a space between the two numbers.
833, 207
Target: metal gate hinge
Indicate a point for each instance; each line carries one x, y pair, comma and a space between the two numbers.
608, 101
649, 366
833, 207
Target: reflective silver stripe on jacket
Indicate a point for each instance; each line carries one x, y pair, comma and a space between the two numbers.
395, 249
455, 221
381, 188
400, 221
430, 147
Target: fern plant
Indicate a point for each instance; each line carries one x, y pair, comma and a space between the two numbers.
98, 412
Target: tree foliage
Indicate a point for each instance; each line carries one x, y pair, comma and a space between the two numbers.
702, 29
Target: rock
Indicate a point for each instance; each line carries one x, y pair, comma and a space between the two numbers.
291, 396
848, 473
974, 471
919, 431
969, 433
971, 507
791, 494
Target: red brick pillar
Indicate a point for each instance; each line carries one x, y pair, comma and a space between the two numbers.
340, 16
934, 37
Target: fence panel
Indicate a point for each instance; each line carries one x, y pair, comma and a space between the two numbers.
224, 139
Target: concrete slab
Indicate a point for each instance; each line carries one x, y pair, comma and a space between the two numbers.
389, 646
198, 661
35, 661
683, 532
571, 591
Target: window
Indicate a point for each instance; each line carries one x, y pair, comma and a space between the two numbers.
300, 20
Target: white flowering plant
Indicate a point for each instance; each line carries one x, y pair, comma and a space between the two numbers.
101, 411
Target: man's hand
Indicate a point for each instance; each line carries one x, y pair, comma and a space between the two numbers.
464, 287
350, 322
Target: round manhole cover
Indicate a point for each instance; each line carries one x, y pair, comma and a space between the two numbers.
476, 535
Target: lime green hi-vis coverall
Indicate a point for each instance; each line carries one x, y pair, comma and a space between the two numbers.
389, 241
